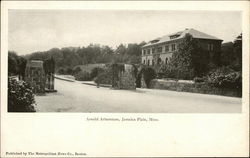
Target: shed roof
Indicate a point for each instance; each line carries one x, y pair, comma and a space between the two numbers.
181, 34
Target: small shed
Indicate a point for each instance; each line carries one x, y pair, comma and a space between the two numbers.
35, 75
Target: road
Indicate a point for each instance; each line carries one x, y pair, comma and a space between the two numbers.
77, 97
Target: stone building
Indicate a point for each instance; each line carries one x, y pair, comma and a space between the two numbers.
160, 50
35, 75
125, 78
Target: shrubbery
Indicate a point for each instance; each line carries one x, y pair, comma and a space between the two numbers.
67, 71
20, 97
110, 74
88, 76
199, 79
148, 74
83, 76
16, 64
77, 70
225, 77
103, 78
95, 71
61, 71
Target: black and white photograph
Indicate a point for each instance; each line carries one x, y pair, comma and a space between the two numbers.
124, 61
124, 79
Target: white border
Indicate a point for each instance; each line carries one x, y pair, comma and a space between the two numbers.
174, 135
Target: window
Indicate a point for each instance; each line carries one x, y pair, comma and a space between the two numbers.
144, 52
159, 49
144, 61
153, 62
148, 51
174, 36
210, 47
148, 61
173, 47
166, 48
159, 61
153, 50
166, 61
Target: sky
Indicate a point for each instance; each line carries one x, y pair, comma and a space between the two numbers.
40, 30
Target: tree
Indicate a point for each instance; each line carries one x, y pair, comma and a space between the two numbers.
93, 53
69, 71
12, 63
77, 70
231, 54
106, 50
142, 43
133, 49
227, 54
121, 49
95, 71
20, 97
148, 74
21, 67
61, 71
49, 66
189, 61
238, 53
16, 64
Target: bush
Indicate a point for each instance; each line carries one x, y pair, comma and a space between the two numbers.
225, 77
95, 71
20, 97
77, 70
110, 75
61, 71
148, 74
103, 78
83, 76
199, 80
69, 71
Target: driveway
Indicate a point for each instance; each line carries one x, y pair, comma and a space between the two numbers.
77, 97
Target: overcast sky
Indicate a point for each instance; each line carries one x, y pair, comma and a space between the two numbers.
41, 30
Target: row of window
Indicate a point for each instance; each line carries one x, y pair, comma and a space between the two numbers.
152, 62
172, 47
159, 49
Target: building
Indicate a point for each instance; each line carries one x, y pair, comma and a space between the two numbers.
35, 75
160, 50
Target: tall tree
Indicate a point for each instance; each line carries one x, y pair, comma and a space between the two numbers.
238, 53
12, 63
121, 49
189, 61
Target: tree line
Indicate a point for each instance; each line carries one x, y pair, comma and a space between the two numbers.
16, 64
189, 62
93, 53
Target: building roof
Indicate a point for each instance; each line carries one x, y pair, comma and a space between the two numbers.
179, 35
35, 63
